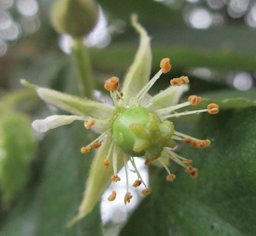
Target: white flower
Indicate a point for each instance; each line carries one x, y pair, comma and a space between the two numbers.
136, 125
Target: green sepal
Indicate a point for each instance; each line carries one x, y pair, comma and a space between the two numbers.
72, 104
98, 180
167, 97
139, 72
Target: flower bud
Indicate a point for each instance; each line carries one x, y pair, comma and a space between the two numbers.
74, 17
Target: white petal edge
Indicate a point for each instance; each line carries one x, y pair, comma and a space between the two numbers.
54, 121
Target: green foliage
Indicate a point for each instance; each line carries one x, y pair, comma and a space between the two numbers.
53, 200
17, 151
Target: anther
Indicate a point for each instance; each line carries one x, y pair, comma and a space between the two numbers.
89, 124
213, 108
194, 100
165, 65
179, 81
170, 177
112, 196
127, 198
112, 84
137, 183
95, 145
187, 162
148, 162
85, 149
115, 178
188, 140
106, 163
192, 171
146, 191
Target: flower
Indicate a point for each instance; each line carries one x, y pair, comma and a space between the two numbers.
136, 125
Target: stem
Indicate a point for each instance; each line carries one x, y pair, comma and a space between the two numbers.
83, 65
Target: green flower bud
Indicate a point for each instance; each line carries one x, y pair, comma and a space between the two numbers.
74, 17
140, 132
17, 150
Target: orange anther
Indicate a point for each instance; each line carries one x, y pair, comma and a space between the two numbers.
106, 162
137, 183
112, 196
213, 108
165, 65
194, 100
146, 191
96, 145
115, 178
89, 124
179, 81
187, 140
192, 171
187, 162
112, 84
170, 177
148, 162
85, 149
127, 198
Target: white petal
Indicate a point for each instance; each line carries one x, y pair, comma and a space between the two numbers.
54, 121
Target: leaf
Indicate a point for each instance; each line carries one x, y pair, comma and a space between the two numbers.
17, 152
221, 201
55, 196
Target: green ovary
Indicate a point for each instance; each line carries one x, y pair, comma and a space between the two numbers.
140, 132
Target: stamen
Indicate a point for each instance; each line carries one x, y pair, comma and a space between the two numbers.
115, 159
187, 162
213, 108
115, 178
165, 65
112, 196
136, 183
192, 171
185, 113
137, 172
112, 84
146, 191
167, 110
96, 143
85, 149
126, 175
151, 82
89, 124
107, 162
177, 158
194, 100
171, 177
197, 143
179, 81
127, 198
148, 162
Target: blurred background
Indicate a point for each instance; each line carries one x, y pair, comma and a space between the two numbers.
211, 41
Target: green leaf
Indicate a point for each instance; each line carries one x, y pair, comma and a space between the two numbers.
221, 201
17, 151
57, 191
